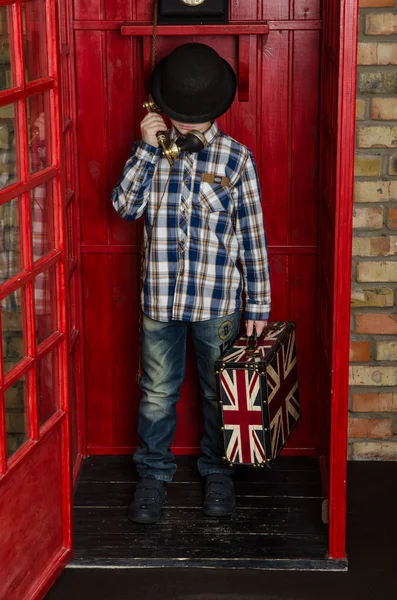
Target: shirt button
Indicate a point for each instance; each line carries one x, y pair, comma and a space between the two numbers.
187, 181
150, 154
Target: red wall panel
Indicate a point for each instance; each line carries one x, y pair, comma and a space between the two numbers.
273, 116
304, 138
132, 10
124, 346
279, 123
91, 105
121, 9
302, 311
99, 358
306, 10
122, 125
88, 9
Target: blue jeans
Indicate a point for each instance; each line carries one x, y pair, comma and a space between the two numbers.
163, 353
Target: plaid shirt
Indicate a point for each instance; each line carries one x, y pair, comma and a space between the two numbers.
191, 249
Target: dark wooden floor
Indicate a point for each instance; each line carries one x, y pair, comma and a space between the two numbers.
371, 547
277, 524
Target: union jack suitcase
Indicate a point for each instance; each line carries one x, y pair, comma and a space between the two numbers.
258, 393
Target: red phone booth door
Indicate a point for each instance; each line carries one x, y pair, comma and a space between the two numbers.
278, 121
35, 465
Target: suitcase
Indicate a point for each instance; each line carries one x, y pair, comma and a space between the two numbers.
258, 394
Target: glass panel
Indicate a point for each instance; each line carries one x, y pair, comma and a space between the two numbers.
12, 329
41, 198
10, 258
39, 152
15, 401
8, 172
35, 39
47, 386
5, 54
45, 304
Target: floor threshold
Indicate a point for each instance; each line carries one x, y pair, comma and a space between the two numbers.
277, 525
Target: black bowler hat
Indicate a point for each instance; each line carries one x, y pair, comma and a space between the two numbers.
193, 84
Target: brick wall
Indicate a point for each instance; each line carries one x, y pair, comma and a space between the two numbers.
373, 349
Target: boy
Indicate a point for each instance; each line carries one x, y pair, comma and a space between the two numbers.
201, 216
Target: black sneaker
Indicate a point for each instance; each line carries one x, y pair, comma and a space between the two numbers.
150, 495
220, 499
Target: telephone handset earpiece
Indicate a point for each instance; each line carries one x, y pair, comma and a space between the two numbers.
194, 140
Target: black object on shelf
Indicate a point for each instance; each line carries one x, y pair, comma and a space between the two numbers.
186, 12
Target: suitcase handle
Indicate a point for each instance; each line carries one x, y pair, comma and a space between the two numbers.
252, 344
252, 340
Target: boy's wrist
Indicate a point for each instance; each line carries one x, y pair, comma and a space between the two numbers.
257, 312
148, 152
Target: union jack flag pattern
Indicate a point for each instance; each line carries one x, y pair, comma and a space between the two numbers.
259, 395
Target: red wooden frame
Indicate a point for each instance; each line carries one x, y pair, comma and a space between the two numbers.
47, 446
73, 238
66, 428
338, 24
346, 102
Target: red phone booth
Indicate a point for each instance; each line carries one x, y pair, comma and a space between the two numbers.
71, 93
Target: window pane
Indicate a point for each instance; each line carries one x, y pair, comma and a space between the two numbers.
35, 39
41, 198
12, 329
39, 151
5, 54
47, 386
8, 173
15, 400
45, 304
10, 256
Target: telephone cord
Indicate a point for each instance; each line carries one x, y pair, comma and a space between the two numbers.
143, 247
142, 276
154, 33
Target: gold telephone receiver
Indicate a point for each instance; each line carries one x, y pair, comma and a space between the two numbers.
194, 140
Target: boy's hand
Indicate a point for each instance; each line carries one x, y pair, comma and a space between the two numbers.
152, 123
259, 327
